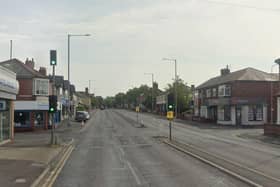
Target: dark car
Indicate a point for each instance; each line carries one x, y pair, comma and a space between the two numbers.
81, 116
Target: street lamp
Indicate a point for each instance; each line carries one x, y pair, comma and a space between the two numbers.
175, 86
152, 89
68, 37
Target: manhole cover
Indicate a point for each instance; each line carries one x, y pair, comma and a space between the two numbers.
20, 180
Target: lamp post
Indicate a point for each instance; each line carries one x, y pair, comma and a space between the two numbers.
175, 86
277, 62
152, 89
271, 94
68, 39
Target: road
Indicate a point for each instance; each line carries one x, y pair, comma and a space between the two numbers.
112, 151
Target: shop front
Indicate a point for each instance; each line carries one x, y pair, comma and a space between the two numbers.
8, 90
31, 115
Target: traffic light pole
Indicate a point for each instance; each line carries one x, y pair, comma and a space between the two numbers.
53, 114
170, 136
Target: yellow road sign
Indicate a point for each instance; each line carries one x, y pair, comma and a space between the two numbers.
137, 109
170, 115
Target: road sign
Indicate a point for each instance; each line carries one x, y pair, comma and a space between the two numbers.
137, 109
170, 115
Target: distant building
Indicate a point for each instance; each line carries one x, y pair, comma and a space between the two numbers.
32, 101
8, 90
239, 98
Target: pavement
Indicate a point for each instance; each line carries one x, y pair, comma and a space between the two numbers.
30, 154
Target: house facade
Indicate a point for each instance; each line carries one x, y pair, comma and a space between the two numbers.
8, 90
32, 101
243, 97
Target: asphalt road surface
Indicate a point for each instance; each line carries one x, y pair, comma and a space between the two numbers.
113, 151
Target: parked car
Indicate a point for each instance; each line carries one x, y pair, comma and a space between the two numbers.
87, 115
81, 116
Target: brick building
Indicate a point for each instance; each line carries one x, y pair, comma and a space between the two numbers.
32, 103
242, 97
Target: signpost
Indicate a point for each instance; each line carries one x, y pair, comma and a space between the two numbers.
170, 117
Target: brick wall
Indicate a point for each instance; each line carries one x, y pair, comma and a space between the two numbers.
25, 89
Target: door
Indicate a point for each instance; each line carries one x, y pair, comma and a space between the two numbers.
238, 116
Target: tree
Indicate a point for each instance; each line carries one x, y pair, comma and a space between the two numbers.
184, 95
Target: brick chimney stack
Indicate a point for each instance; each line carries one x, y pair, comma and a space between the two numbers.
30, 63
225, 71
43, 71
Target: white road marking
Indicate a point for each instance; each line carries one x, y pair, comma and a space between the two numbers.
133, 173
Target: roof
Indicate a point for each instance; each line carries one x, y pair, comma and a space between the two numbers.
247, 74
22, 70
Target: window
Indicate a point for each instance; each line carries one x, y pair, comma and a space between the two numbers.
224, 113
227, 90
22, 119
41, 87
255, 113
224, 90
39, 119
214, 92
208, 93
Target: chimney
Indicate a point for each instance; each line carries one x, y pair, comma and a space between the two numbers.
43, 71
86, 90
30, 63
225, 71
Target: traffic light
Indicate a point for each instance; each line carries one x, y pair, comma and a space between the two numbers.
52, 103
53, 61
170, 102
170, 107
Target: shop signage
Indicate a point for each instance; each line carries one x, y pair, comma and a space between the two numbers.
8, 82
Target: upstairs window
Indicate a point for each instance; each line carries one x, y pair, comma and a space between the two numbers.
41, 87
208, 93
214, 92
224, 90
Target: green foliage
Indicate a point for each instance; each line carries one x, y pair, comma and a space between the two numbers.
184, 94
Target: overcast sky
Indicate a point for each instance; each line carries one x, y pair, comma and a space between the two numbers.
130, 38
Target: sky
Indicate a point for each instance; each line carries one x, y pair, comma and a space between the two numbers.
130, 37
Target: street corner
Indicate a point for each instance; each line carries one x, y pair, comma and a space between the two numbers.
49, 175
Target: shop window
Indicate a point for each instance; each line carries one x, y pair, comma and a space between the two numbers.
39, 119
224, 113
255, 113
5, 128
22, 119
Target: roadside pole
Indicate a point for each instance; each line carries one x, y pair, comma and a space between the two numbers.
170, 137
170, 117
53, 114
137, 109
53, 98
